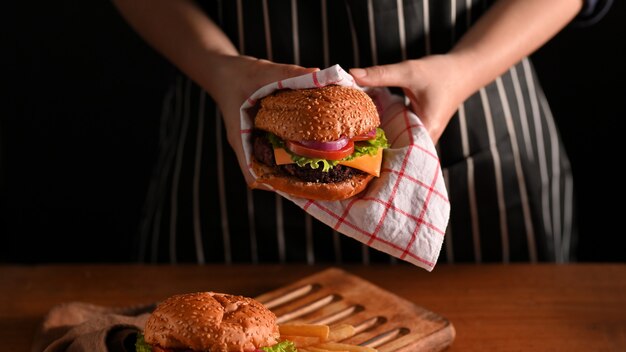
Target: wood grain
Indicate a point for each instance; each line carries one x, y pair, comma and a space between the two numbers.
398, 325
515, 307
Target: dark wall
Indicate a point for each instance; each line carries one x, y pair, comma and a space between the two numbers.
77, 152
80, 135
583, 72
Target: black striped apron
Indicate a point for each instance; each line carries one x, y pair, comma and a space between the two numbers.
508, 177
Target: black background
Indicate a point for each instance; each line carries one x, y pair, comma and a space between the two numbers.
78, 133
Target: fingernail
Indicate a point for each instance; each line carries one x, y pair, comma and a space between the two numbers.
358, 72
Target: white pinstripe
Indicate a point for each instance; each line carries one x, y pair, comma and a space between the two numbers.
519, 173
498, 174
401, 29
541, 152
471, 182
568, 219
372, 31
471, 185
426, 9
522, 113
197, 226
452, 20
556, 177
294, 32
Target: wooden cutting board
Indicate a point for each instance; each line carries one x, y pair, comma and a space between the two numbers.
382, 319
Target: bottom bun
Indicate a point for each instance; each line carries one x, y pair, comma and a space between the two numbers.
310, 190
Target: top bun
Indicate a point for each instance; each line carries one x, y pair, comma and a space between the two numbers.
317, 114
208, 321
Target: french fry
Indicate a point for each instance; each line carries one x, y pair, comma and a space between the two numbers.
311, 330
336, 346
321, 337
317, 349
302, 341
341, 332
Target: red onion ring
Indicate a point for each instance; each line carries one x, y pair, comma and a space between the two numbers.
332, 145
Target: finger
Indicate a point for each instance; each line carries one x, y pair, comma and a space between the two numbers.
287, 71
275, 72
394, 75
293, 70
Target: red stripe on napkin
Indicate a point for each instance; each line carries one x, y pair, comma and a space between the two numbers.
421, 216
315, 81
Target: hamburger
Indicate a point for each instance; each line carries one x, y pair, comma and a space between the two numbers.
318, 143
211, 322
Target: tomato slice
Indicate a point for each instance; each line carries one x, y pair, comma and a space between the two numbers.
302, 150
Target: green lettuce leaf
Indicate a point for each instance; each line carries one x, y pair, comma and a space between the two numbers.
284, 346
370, 146
360, 148
141, 345
303, 161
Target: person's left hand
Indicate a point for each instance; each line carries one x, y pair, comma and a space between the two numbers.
435, 85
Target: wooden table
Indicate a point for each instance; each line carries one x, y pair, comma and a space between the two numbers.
578, 307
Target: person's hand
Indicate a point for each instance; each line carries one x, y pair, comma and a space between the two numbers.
435, 86
237, 78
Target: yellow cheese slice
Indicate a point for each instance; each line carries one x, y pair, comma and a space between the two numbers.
282, 157
366, 163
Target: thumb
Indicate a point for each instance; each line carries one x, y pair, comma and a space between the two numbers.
393, 75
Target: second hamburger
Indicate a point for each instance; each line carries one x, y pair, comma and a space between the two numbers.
319, 143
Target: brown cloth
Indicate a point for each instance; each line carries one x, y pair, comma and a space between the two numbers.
82, 327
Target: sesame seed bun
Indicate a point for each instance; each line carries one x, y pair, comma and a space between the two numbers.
309, 190
208, 321
317, 114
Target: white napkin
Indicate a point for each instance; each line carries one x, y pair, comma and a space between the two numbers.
405, 211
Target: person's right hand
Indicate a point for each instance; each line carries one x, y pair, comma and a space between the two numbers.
435, 86
233, 82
